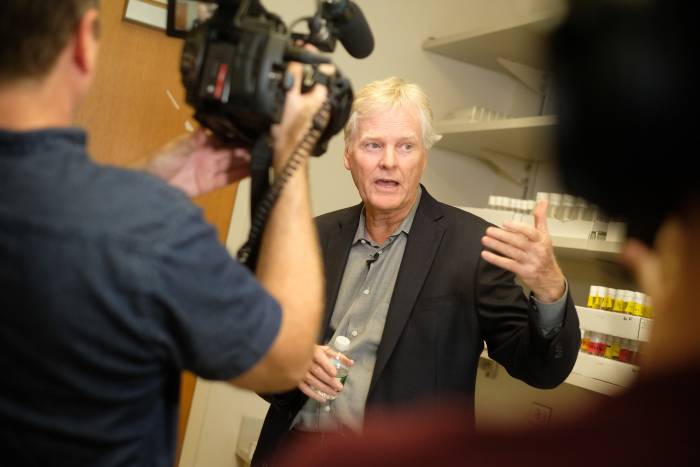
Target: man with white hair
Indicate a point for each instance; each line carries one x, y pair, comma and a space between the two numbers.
409, 283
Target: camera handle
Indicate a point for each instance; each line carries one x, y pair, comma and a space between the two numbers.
263, 196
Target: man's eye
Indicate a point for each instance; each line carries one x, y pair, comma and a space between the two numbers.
372, 146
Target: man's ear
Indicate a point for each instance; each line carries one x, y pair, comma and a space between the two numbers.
86, 42
346, 158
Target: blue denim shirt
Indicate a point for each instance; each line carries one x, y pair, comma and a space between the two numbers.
111, 283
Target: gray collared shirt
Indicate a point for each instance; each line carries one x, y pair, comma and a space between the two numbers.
360, 314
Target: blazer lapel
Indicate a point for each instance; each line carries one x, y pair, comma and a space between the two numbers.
337, 249
421, 248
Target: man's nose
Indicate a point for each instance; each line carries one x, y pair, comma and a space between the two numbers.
388, 159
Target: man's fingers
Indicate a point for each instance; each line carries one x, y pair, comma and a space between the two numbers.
505, 249
529, 232
321, 385
309, 391
540, 215
503, 263
517, 239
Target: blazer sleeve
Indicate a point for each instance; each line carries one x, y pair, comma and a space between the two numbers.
513, 339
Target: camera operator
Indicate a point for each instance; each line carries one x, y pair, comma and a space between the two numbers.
112, 282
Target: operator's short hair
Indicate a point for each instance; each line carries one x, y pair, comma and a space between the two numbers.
33, 33
391, 92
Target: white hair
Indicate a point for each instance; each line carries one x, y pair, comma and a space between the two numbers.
392, 92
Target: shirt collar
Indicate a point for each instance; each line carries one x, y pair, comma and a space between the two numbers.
31, 141
405, 227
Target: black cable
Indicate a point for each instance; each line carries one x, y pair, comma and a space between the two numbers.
248, 253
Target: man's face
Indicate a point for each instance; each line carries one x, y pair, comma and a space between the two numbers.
386, 158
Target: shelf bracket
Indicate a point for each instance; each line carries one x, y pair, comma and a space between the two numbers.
534, 79
491, 158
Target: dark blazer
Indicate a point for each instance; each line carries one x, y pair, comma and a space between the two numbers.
447, 301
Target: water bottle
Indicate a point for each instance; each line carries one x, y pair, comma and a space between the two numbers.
340, 345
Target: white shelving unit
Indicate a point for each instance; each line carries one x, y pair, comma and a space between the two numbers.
515, 46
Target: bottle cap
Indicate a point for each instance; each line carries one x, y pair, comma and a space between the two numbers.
341, 343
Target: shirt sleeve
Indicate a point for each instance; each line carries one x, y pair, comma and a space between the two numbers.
211, 315
549, 317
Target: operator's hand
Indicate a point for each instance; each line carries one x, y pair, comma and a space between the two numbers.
299, 110
198, 163
528, 253
321, 375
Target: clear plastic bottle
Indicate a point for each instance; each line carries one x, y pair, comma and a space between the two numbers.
492, 202
340, 345
554, 209
569, 210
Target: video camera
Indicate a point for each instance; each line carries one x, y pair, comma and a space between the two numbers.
234, 70
235, 58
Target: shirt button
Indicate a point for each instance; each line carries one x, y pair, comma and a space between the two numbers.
366, 291
353, 334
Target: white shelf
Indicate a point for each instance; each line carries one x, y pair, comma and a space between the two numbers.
604, 370
526, 138
522, 40
571, 247
598, 374
578, 248
614, 324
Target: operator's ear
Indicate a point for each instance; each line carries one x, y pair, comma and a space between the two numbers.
86, 42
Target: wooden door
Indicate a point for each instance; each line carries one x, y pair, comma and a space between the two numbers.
133, 109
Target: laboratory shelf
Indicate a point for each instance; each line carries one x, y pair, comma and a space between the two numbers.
614, 324
525, 138
573, 245
598, 374
521, 40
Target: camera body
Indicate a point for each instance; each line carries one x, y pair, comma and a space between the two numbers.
234, 72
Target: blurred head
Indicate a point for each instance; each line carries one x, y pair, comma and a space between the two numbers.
33, 33
387, 138
626, 79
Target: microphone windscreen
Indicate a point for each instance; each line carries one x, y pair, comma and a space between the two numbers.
355, 35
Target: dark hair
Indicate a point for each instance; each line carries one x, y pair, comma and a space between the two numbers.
626, 82
33, 33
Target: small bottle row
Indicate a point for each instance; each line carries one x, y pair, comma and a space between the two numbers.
611, 347
503, 203
620, 301
560, 206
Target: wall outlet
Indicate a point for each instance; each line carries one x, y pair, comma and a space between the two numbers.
540, 415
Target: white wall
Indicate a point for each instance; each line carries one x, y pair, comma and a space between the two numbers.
400, 27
